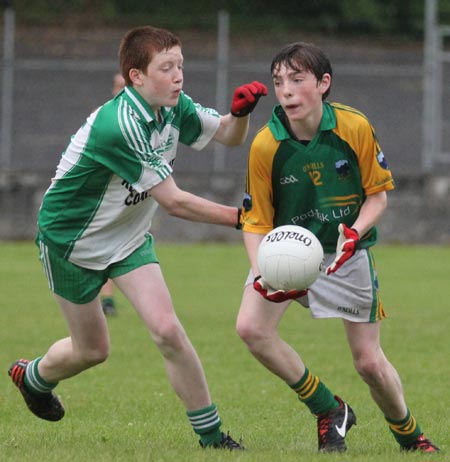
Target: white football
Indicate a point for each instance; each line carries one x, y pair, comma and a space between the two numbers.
290, 257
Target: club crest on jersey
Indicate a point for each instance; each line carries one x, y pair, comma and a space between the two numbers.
247, 201
342, 168
382, 160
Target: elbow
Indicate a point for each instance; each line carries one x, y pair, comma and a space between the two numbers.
172, 208
176, 205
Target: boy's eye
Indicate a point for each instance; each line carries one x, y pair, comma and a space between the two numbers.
169, 67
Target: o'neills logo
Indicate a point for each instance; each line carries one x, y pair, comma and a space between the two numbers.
345, 309
288, 236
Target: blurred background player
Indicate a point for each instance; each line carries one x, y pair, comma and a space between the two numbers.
319, 165
107, 292
118, 83
94, 219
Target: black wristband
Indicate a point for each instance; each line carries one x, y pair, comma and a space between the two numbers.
238, 222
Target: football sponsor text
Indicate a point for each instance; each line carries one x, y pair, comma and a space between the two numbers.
134, 197
324, 217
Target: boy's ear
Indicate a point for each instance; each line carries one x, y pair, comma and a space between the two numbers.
135, 76
325, 82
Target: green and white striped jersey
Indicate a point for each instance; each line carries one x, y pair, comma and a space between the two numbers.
97, 208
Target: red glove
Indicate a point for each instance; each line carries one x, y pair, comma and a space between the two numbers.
346, 246
246, 97
276, 296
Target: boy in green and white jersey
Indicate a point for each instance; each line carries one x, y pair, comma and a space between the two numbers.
102, 182
94, 220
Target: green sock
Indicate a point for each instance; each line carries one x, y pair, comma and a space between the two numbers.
34, 382
405, 431
314, 393
206, 423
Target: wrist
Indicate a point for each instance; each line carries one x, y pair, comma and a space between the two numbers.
239, 115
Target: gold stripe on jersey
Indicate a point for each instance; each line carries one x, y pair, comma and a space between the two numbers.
351, 199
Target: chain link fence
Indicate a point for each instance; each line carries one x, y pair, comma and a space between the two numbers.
60, 76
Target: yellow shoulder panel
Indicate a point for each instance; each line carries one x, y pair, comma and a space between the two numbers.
355, 129
259, 219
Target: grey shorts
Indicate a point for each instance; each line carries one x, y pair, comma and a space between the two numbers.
350, 293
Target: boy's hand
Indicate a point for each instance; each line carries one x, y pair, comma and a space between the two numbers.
246, 97
346, 246
276, 296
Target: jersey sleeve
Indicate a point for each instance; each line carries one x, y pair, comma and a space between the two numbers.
375, 173
124, 145
357, 131
258, 216
198, 124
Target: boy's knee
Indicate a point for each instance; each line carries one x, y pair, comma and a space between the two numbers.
94, 356
369, 367
252, 336
169, 337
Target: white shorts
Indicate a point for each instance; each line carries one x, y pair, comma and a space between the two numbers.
350, 293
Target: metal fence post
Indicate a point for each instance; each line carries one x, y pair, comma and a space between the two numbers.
7, 87
221, 81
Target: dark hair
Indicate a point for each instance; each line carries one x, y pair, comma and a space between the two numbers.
301, 56
139, 45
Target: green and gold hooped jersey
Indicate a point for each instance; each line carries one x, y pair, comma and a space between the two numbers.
317, 185
97, 209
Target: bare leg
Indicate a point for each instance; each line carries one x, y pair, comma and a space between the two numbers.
375, 369
257, 325
87, 345
145, 288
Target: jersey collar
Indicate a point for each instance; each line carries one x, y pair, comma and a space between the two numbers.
141, 106
328, 122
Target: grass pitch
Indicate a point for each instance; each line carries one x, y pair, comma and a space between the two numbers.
124, 409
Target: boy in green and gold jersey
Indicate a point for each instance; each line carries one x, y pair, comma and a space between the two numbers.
319, 165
